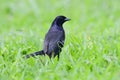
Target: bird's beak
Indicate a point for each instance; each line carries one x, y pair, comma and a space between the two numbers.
67, 19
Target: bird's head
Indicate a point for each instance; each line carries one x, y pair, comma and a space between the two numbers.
59, 20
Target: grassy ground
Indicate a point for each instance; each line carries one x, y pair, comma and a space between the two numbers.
91, 50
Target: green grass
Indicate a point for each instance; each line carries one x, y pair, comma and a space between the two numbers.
91, 50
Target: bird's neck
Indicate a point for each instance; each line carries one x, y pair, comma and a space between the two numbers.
56, 27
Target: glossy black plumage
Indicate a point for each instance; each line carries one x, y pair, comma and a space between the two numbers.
54, 39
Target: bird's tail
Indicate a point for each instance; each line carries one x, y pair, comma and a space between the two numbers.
35, 54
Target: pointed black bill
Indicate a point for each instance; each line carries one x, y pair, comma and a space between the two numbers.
67, 19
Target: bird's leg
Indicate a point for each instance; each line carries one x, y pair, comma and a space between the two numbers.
58, 56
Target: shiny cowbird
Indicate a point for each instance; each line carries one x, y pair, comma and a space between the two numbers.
54, 39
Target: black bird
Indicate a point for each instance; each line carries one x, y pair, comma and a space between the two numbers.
54, 39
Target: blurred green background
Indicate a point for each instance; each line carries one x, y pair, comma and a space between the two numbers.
91, 50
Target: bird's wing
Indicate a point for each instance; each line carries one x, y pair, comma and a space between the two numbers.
53, 40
